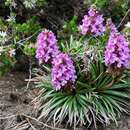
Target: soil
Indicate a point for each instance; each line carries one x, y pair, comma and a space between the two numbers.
14, 100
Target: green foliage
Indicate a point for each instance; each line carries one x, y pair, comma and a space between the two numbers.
73, 47
20, 36
98, 3
27, 29
7, 59
8, 2
69, 28
20, 31
29, 50
126, 30
6, 63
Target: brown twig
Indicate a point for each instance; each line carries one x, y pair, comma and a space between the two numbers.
30, 124
36, 120
22, 126
16, 126
30, 73
7, 117
122, 21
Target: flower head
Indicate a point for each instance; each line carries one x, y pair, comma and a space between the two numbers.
47, 47
93, 23
63, 71
117, 51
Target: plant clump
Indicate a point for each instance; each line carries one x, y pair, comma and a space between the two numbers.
78, 98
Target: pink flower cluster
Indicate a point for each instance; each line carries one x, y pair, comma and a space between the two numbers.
47, 47
117, 51
63, 71
93, 23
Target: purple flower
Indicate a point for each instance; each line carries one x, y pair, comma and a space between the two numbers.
63, 71
93, 23
117, 51
111, 26
47, 47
